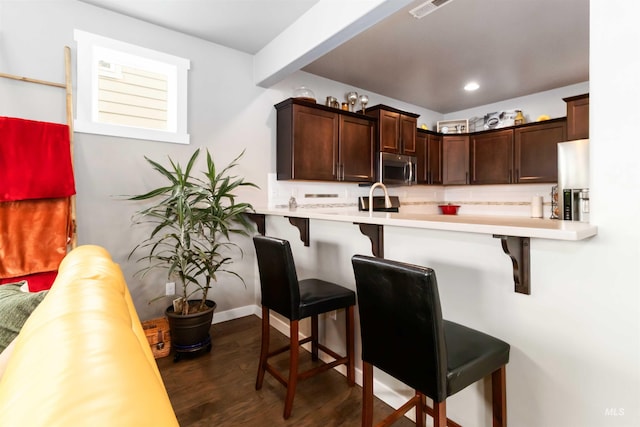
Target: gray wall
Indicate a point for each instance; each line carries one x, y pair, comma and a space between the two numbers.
226, 115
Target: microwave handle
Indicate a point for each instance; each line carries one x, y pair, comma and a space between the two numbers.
410, 171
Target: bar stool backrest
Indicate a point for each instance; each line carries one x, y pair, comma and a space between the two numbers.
278, 278
401, 323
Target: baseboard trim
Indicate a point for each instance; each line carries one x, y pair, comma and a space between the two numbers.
236, 313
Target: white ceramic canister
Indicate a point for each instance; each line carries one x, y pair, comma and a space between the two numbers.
536, 207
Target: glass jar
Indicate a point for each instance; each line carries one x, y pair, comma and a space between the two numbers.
331, 101
304, 93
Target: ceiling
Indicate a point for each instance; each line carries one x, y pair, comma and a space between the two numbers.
511, 48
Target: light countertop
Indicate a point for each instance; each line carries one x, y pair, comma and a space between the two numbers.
499, 225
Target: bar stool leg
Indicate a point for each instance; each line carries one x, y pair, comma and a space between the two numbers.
264, 348
499, 396
314, 337
294, 353
440, 414
350, 322
420, 413
367, 394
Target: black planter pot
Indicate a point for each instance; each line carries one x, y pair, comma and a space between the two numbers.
190, 333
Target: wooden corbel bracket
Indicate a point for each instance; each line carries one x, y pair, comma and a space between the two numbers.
303, 226
518, 249
259, 220
375, 233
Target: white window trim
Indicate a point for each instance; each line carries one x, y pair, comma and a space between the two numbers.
90, 44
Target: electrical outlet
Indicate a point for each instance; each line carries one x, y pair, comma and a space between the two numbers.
333, 315
170, 288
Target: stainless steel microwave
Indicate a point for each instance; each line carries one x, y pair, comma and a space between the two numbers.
396, 169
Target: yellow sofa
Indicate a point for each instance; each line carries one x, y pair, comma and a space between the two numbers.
82, 358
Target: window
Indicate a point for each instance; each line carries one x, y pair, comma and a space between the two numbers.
130, 91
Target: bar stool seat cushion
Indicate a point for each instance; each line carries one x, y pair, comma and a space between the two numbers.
470, 355
318, 296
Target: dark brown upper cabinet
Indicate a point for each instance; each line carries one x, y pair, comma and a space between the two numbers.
429, 154
357, 148
455, 159
320, 143
492, 157
536, 151
396, 129
577, 117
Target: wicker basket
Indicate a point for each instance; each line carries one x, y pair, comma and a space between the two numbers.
158, 335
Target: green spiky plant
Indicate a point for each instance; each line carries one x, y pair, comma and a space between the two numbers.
193, 221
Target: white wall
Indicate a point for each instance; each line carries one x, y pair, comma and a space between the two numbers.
575, 341
548, 103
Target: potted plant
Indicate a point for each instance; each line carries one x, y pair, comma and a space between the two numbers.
193, 219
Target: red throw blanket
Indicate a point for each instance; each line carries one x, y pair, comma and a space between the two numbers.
35, 160
36, 282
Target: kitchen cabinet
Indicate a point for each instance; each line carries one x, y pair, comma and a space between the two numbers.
320, 143
491, 157
396, 129
577, 117
429, 154
455, 159
536, 150
356, 149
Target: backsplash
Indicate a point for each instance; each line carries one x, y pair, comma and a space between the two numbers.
507, 200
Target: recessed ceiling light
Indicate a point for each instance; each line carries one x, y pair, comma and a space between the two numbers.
471, 86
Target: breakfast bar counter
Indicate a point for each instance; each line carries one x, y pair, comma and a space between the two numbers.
514, 232
484, 224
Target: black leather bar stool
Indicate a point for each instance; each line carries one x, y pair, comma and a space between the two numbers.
297, 300
404, 335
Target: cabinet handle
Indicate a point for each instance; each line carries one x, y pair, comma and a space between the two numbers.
466, 177
517, 175
510, 177
342, 172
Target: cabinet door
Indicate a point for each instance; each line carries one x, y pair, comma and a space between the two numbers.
429, 154
492, 157
315, 144
389, 132
408, 128
536, 151
578, 117
455, 161
357, 149
422, 141
434, 162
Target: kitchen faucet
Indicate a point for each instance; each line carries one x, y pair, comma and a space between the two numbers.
387, 201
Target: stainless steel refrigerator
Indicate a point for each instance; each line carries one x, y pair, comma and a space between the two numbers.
573, 180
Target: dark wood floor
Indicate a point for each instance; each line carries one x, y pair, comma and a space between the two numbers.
218, 388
